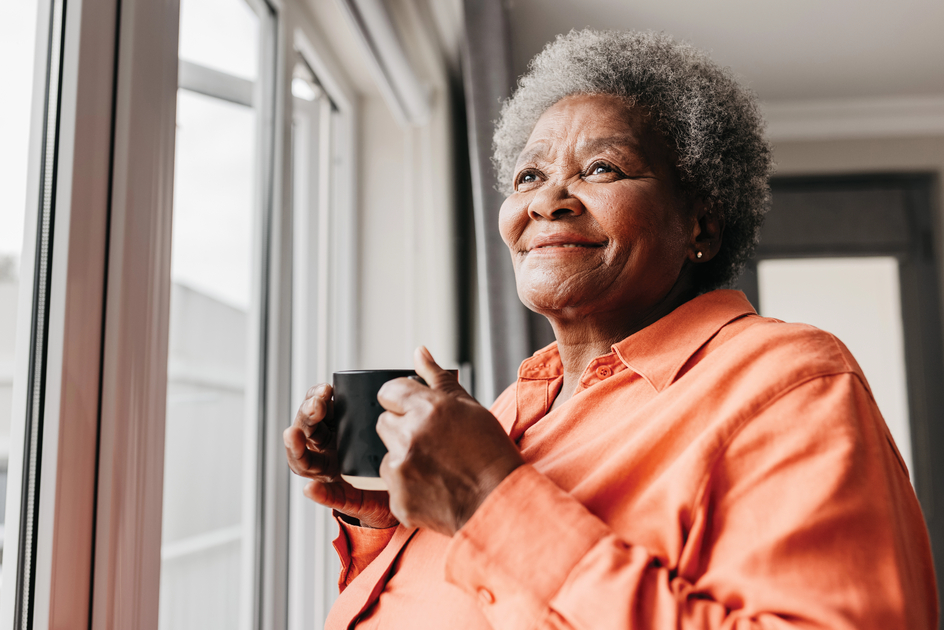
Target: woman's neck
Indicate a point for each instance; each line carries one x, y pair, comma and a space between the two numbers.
575, 357
582, 339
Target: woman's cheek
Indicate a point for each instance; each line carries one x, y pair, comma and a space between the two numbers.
512, 220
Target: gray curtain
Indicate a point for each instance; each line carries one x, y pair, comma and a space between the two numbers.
505, 331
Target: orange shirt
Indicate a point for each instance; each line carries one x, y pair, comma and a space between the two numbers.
715, 470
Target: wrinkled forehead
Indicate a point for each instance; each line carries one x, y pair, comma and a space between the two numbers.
621, 145
585, 124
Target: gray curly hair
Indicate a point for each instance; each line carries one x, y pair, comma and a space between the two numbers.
710, 122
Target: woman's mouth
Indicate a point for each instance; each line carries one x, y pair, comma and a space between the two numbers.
562, 241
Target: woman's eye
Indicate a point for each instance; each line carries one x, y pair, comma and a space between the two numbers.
600, 168
526, 177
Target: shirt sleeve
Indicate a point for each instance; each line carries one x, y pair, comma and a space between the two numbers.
806, 520
357, 547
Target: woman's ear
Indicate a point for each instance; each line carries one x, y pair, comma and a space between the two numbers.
707, 232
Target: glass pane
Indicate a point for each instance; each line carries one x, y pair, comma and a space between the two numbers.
17, 40
213, 197
220, 34
207, 547
858, 300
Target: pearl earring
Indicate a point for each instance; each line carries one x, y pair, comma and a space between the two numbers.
698, 255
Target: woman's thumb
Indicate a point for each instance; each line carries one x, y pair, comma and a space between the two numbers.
435, 376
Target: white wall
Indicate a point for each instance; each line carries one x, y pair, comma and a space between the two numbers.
384, 298
408, 289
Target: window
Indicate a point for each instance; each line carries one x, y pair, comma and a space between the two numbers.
209, 549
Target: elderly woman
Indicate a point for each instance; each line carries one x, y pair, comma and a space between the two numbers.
673, 460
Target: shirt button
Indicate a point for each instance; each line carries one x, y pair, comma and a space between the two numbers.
603, 371
486, 596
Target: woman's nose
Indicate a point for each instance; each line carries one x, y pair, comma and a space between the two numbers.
553, 202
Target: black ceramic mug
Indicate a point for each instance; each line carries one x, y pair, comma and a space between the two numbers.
356, 411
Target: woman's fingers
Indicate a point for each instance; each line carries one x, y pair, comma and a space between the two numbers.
370, 508
294, 439
309, 442
394, 432
314, 410
320, 437
305, 461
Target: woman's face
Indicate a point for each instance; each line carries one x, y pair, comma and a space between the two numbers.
597, 223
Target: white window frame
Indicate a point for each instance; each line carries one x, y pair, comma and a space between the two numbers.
318, 350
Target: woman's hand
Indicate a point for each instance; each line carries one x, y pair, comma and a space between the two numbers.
446, 451
311, 449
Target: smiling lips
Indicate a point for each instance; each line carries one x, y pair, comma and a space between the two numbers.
562, 240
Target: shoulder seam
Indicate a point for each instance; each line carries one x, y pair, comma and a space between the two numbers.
722, 449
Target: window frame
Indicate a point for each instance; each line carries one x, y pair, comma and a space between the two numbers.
311, 567
66, 496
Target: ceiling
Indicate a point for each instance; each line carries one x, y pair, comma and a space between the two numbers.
797, 50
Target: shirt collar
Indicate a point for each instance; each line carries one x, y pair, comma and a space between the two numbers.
660, 350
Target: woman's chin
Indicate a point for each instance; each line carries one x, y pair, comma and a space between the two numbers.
551, 303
